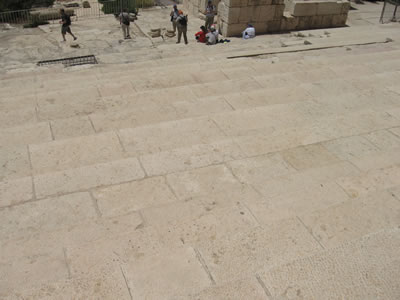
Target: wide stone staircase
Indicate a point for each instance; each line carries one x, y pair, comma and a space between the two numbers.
201, 177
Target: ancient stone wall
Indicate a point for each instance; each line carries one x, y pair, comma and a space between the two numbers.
274, 15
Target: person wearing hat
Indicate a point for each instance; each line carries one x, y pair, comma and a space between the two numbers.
181, 24
210, 13
212, 36
174, 15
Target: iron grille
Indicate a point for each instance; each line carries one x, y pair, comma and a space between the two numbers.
70, 61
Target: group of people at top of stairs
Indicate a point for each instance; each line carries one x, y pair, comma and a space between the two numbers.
208, 33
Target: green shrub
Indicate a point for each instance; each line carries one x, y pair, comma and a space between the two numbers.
86, 4
114, 6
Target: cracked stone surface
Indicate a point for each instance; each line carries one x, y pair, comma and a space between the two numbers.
171, 172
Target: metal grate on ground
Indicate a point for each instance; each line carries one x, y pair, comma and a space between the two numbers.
390, 11
70, 61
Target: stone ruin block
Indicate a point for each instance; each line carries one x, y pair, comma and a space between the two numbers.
289, 22
329, 8
339, 20
303, 8
259, 2
235, 3
279, 9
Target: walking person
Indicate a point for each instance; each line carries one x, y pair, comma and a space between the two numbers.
181, 24
66, 23
124, 20
210, 13
174, 15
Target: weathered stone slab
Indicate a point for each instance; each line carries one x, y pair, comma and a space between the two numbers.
245, 253
87, 177
260, 168
310, 156
383, 139
350, 147
359, 270
45, 215
22, 116
188, 158
202, 181
297, 181
354, 218
132, 196
71, 127
364, 183
14, 191
28, 134
75, 152
300, 8
200, 107
235, 290
169, 135
195, 223
290, 204
379, 160
97, 286
14, 162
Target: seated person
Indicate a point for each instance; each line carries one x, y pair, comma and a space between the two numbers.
212, 36
201, 35
249, 32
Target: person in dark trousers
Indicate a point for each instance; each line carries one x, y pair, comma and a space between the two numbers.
210, 13
181, 24
66, 23
125, 22
174, 15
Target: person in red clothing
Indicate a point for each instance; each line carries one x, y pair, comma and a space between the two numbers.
201, 35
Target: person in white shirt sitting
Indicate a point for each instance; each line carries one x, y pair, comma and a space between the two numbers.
212, 36
249, 32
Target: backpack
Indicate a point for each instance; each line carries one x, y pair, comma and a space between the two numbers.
67, 20
125, 20
183, 20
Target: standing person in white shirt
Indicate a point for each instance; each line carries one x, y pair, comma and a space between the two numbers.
210, 13
249, 32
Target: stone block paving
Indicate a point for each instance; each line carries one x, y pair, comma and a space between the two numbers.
270, 181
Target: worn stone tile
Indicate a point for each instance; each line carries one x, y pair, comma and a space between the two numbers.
202, 181
265, 97
354, 218
195, 223
243, 254
365, 269
309, 156
200, 107
375, 179
287, 80
248, 288
175, 272
109, 89
87, 177
29, 271
75, 152
350, 147
132, 196
169, 135
134, 117
330, 87
225, 87
210, 76
17, 102
15, 191
383, 139
45, 215
71, 127
382, 159
28, 134
12, 118
169, 95
175, 268
395, 131
14, 162
97, 286
297, 181
260, 168
291, 204
196, 156
159, 81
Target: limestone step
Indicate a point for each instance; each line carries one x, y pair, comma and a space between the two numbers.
327, 276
